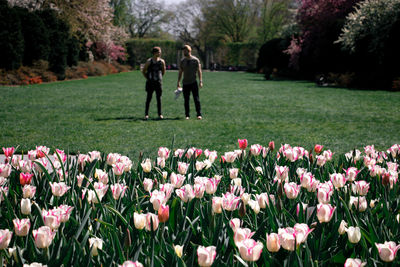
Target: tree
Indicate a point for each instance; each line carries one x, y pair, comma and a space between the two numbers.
231, 18
371, 34
146, 17
320, 22
274, 15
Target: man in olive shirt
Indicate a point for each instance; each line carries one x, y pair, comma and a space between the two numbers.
190, 66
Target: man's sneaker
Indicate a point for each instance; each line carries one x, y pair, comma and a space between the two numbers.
161, 117
187, 118
199, 117
146, 117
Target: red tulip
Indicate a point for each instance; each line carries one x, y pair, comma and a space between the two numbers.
242, 143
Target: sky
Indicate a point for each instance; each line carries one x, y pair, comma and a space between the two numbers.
168, 2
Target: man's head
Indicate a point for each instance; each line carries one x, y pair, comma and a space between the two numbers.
187, 50
156, 50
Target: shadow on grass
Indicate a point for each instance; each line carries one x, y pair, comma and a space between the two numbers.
138, 119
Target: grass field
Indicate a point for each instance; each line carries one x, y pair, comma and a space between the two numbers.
106, 114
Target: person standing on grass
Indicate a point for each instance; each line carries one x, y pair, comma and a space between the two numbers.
189, 67
153, 71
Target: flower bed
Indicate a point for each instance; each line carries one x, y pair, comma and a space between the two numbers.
251, 206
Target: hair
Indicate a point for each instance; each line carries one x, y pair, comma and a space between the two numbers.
187, 47
156, 49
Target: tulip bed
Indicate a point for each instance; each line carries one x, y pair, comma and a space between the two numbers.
255, 206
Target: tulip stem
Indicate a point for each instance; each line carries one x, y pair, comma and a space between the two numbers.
2, 258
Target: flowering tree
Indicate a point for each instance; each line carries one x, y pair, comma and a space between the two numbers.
320, 22
371, 31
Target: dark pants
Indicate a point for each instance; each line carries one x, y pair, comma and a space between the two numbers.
150, 88
187, 88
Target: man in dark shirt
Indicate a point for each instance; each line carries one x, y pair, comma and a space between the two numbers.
189, 67
153, 71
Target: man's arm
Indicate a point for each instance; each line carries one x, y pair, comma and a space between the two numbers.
144, 70
200, 76
163, 67
179, 77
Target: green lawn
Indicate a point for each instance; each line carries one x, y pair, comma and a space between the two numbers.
106, 114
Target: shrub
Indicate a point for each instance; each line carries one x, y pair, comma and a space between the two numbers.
320, 22
271, 55
11, 38
371, 33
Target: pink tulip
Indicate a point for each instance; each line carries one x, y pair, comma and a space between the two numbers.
282, 172
79, 179
43, 236
163, 213
119, 168
273, 243
256, 149
230, 157
308, 181
148, 184
359, 202
230, 202
163, 152
302, 232
101, 175
217, 204
250, 250
324, 195
25, 178
21, 226
292, 190
3, 193
5, 170
318, 148
263, 199
351, 173
354, 263
151, 218
5, 238
112, 158
271, 145
131, 264
242, 234
59, 189
64, 212
185, 193
362, 187
338, 180
52, 219
157, 199
321, 160
235, 224
177, 180
42, 151
242, 143
233, 173
167, 189
206, 255
211, 185
287, 238
198, 190
8, 152
182, 167
387, 250
28, 191
118, 190
325, 212
161, 162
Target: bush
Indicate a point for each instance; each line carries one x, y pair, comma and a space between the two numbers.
36, 37
11, 38
371, 34
139, 50
271, 55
